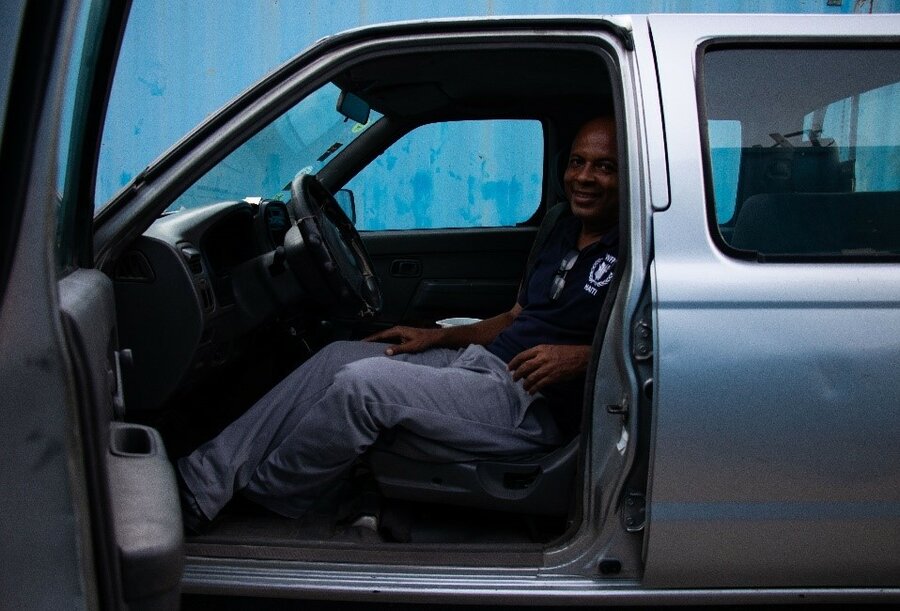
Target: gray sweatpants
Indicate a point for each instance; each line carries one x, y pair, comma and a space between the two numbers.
296, 441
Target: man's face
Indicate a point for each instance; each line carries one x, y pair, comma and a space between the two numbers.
592, 175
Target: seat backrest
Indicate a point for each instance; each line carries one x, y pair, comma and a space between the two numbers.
809, 169
413, 468
819, 223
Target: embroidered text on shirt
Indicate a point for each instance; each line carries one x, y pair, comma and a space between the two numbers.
601, 273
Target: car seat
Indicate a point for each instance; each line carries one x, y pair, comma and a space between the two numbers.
820, 223
411, 468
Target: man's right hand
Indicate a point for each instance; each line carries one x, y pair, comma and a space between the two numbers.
411, 339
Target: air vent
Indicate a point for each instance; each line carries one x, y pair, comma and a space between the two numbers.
134, 267
206, 296
193, 257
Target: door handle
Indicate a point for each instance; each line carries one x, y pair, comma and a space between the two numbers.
406, 268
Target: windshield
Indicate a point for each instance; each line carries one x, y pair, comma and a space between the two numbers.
301, 141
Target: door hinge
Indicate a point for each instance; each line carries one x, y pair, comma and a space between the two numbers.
642, 340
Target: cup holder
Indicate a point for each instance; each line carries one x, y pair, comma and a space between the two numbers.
131, 440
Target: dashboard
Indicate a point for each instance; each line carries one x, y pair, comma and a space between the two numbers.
195, 286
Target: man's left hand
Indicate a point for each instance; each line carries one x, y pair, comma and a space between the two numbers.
548, 364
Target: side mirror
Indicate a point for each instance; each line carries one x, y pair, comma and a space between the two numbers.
353, 107
347, 202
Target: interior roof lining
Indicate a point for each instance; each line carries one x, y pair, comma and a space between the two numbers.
413, 82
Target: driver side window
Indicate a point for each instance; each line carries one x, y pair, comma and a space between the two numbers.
453, 175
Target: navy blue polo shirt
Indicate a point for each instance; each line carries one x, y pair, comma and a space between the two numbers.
571, 318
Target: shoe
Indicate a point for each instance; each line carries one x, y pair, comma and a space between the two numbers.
192, 517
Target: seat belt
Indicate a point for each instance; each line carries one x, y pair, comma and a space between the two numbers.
550, 220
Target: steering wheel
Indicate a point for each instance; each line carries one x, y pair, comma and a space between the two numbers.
324, 235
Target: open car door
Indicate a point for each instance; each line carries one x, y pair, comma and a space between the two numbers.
90, 510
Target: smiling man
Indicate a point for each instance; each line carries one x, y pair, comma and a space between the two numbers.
472, 388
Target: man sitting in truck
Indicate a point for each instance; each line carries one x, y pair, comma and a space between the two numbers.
471, 388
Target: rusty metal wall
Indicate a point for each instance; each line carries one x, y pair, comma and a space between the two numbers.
180, 61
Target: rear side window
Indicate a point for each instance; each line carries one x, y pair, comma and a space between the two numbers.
803, 151
453, 175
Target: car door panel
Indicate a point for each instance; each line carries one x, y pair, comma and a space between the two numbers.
431, 274
775, 457
49, 556
136, 518
146, 516
46, 550
60, 375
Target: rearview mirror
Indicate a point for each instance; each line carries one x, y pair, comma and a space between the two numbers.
353, 107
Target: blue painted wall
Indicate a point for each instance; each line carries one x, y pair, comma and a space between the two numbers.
180, 61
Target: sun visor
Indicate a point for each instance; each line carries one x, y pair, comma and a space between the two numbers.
406, 100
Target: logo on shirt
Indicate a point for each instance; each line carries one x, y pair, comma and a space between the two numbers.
601, 274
